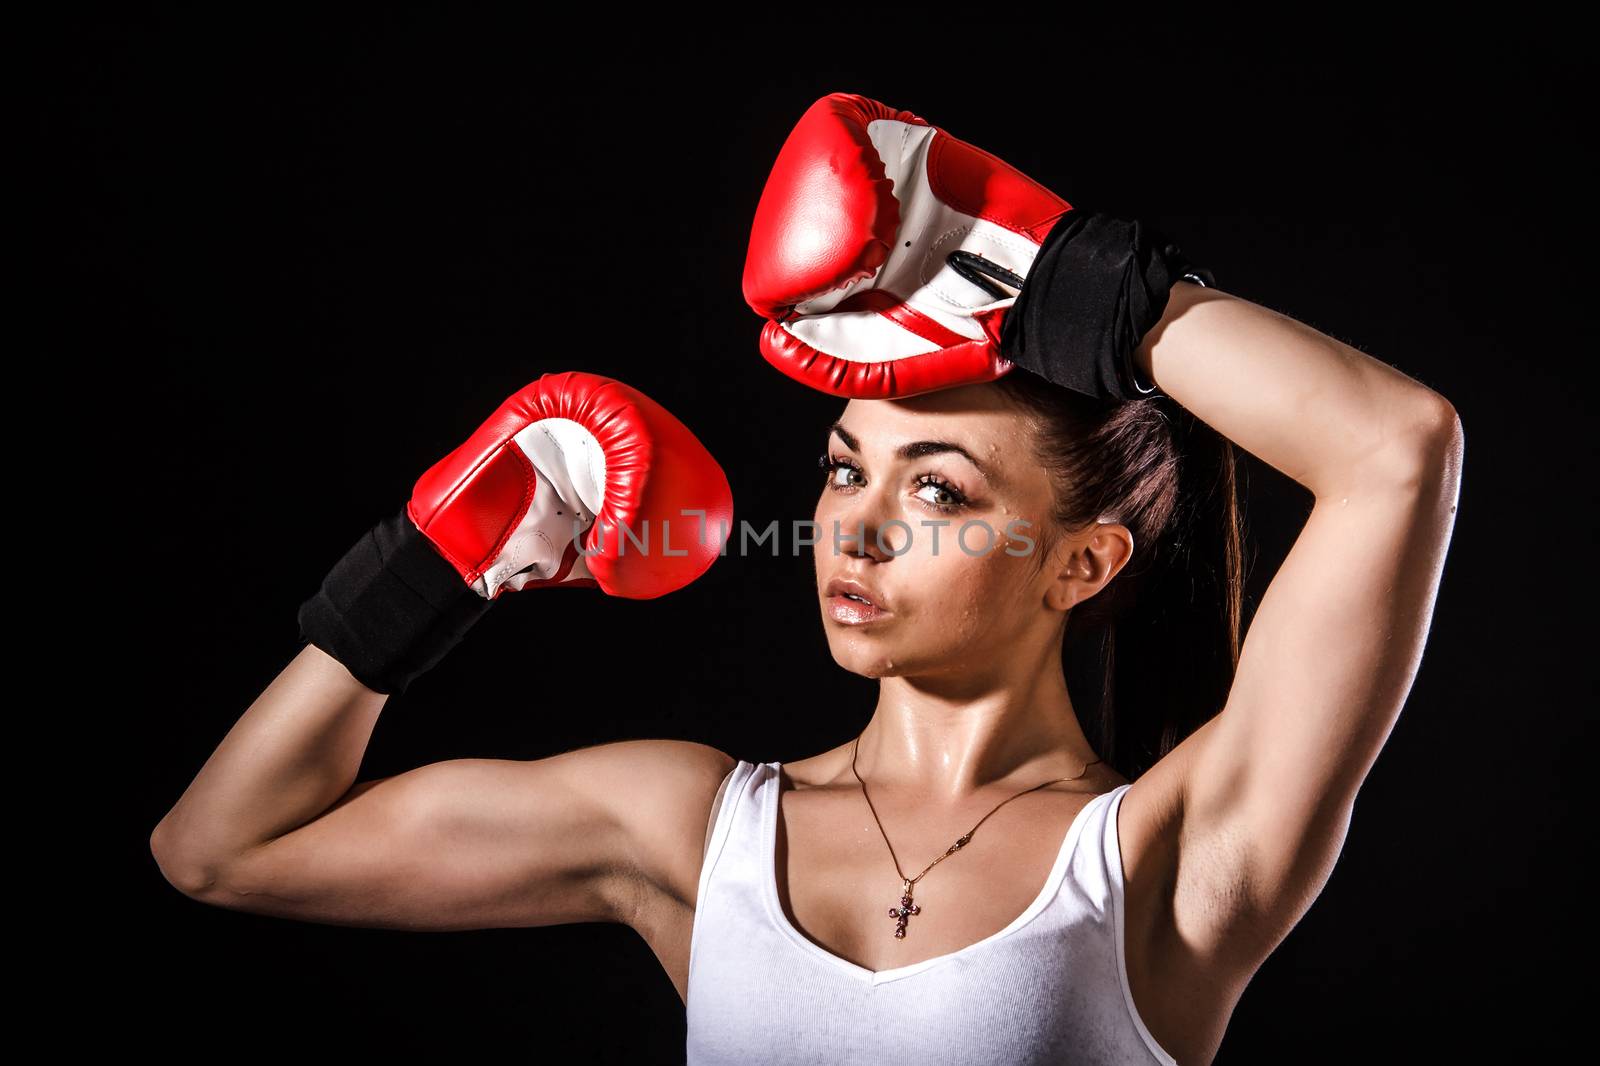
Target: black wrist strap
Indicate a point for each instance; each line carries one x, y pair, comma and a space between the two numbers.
1097, 286
391, 608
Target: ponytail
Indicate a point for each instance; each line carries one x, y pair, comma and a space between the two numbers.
1151, 657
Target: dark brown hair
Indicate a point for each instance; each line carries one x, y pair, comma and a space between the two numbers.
1150, 657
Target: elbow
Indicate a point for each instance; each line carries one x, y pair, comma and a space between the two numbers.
1440, 443
193, 879
1439, 420
1431, 449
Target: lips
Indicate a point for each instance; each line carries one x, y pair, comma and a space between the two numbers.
848, 587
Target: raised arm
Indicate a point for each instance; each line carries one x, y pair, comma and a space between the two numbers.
546, 493
1267, 787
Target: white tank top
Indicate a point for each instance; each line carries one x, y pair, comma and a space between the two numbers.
1051, 987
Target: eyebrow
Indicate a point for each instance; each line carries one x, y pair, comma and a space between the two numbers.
917, 449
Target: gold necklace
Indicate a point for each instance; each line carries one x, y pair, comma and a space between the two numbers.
907, 907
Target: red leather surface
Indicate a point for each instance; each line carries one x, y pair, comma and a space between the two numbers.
470, 501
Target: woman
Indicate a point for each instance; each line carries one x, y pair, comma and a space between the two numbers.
1001, 867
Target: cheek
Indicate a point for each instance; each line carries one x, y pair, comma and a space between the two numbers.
829, 546
827, 513
969, 594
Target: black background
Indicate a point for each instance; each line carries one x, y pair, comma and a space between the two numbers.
309, 254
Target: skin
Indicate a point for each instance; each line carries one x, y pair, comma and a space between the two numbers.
1225, 842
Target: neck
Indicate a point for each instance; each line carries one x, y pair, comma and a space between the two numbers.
926, 745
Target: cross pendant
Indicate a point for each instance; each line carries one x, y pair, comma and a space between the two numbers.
903, 912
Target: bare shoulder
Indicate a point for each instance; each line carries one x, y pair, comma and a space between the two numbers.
663, 807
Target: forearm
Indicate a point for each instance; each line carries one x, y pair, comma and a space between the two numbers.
1312, 407
292, 755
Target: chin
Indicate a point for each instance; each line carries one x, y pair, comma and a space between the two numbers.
871, 670
861, 657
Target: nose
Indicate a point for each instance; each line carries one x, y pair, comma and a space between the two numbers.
865, 525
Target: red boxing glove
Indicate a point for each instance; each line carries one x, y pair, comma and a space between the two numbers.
885, 252
577, 461
576, 480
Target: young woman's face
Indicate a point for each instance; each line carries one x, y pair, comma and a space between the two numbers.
909, 475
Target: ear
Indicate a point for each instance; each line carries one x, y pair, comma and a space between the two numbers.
1081, 566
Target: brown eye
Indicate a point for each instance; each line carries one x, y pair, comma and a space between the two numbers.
833, 466
953, 500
